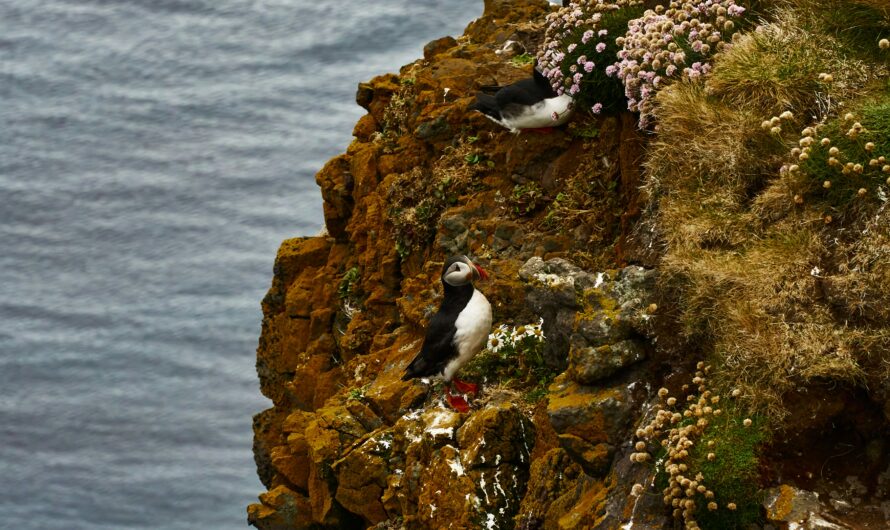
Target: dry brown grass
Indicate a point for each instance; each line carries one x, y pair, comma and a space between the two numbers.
777, 68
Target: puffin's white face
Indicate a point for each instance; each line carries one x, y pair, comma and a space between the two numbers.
459, 273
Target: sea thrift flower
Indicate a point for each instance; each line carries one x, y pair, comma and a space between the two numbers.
596, 109
574, 34
650, 53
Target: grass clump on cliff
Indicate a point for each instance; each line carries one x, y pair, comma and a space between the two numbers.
843, 165
759, 260
778, 67
857, 24
706, 456
417, 198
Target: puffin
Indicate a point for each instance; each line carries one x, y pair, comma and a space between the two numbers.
529, 104
456, 332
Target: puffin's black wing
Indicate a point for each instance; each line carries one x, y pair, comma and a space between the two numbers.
526, 93
437, 349
487, 105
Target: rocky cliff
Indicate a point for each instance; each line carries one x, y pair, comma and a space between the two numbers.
652, 270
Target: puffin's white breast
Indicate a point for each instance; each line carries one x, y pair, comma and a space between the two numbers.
472, 327
541, 114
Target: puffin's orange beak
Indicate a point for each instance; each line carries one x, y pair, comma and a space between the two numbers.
482, 274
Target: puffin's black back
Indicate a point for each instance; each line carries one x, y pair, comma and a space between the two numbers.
438, 345
522, 93
526, 92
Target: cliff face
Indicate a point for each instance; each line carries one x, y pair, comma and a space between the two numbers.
555, 219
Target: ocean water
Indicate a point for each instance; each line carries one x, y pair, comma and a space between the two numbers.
153, 154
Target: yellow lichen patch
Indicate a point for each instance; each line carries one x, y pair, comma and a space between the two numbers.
784, 503
585, 512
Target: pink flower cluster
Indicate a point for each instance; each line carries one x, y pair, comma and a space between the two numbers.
563, 26
664, 45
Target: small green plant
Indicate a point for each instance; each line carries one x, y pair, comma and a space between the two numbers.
526, 198
589, 130
358, 394
706, 456
474, 158
515, 355
347, 282
522, 60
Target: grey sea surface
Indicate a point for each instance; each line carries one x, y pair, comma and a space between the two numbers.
153, 154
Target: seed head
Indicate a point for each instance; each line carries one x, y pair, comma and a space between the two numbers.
787, 115
826, 184
640, 446
731, 506
834, 151
884, 44
869, 146
712, 506
662, 392
862, 192
828, 219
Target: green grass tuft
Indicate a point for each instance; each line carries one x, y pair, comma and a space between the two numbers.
842, 197
733, 474
522, 60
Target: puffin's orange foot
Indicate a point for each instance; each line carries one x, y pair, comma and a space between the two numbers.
465, 388
458, 403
